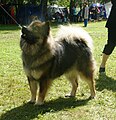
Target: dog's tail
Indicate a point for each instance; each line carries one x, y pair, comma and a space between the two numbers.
70, 33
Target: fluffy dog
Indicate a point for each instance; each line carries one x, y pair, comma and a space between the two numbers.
45, 58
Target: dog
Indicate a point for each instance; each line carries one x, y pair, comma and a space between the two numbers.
46, 58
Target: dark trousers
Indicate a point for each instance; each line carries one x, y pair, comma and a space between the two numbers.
111, 42
85, 22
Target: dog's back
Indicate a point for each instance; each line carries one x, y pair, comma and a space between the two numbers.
70, 33
73, 51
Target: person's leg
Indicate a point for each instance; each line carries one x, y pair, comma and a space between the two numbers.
85, 22
108, 49
103, 63
104, 60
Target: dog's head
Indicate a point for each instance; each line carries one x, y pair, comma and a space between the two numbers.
34, 36
36, 32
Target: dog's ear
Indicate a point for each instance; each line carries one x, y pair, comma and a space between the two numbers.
45, 31
47, 27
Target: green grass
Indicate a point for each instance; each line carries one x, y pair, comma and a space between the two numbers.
14, 90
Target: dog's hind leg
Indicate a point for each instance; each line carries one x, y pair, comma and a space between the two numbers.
74, 83
44, 85
90, 80
33, 89
91, 84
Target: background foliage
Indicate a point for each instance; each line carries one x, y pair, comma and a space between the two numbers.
43, 4
59, 2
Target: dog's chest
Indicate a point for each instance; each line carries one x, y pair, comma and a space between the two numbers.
30, 68
36, 74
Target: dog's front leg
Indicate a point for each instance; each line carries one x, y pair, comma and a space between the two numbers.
33, 89
44, 85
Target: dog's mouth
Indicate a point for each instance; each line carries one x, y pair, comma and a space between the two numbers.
28, 36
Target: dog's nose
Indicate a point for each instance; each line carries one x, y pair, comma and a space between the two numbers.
24, 30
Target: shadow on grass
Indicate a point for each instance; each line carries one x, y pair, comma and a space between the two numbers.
105, 82
29, 111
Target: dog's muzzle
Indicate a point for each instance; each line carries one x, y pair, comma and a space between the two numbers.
28, 36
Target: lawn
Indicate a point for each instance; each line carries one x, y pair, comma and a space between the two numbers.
14, 90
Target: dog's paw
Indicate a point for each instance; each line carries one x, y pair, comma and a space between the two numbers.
39, 103
31, 102
92, 97
69, 96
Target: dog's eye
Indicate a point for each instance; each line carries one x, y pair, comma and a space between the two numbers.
35, 28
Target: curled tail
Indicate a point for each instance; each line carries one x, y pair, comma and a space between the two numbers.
70, 33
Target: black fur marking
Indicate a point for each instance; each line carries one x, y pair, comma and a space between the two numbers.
68, 55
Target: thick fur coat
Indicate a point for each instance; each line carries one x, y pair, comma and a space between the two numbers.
45, 58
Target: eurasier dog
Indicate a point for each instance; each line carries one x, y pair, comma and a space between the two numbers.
45, 58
